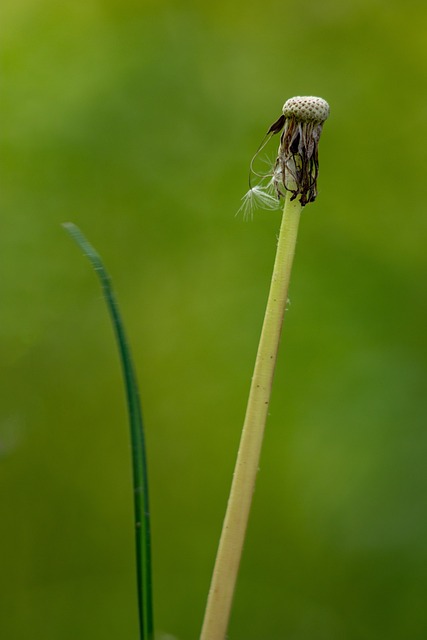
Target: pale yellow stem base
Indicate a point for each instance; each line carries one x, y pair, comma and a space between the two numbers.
235, 523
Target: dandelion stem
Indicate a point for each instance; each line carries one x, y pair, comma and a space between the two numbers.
235, 523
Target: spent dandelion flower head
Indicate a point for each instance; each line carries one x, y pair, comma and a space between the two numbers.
296, 167
297, 159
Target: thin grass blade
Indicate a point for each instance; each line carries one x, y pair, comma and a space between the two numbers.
139, 462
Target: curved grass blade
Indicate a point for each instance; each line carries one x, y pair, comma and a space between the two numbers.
139, 464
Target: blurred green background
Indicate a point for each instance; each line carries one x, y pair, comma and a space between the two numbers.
137, 121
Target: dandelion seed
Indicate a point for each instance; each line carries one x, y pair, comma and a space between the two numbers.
257, 198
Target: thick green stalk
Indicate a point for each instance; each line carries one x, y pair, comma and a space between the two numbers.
236, 518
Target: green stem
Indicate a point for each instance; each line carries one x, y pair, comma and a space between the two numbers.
236, 518
139, 462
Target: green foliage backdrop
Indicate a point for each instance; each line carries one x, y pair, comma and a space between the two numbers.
136, 120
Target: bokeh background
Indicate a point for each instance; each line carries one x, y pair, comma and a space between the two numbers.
137, 121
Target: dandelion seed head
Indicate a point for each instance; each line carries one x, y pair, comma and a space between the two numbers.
306, 109
296, 167
303, 118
